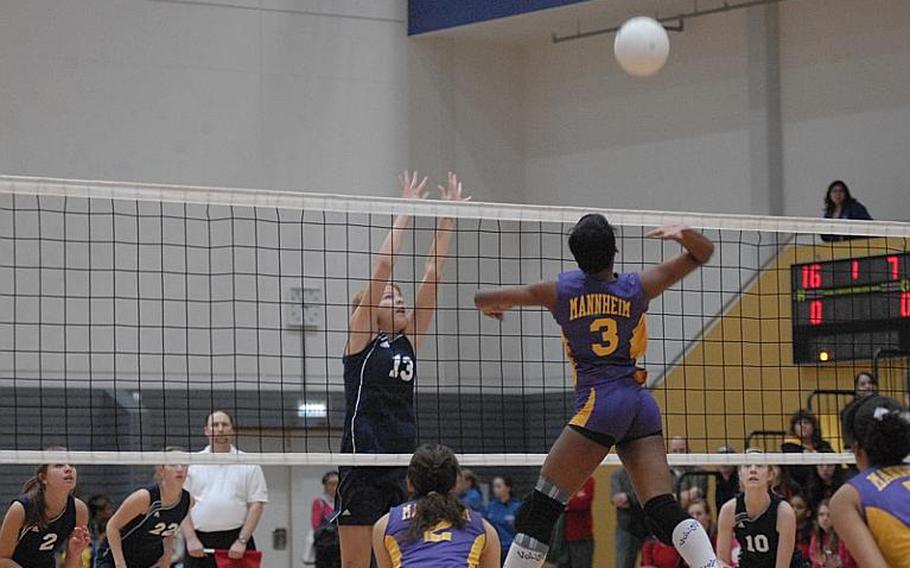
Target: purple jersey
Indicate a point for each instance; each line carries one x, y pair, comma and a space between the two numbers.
603, 325
441, 547
884, 495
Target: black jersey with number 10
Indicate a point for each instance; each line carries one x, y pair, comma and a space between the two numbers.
758, 538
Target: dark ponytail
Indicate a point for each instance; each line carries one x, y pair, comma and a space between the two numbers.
433, 472
36, 512
881, 427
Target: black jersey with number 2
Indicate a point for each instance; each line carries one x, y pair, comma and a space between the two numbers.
758, 538
37, 546
143, 537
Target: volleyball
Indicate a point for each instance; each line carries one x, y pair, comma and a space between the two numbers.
642, 46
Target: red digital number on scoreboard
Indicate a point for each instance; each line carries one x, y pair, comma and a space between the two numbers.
812, 276
895, 267
905, 304
815, 312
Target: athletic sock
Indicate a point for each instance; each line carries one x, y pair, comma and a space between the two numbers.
526, 552
693, 544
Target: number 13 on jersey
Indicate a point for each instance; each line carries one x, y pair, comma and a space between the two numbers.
608, 333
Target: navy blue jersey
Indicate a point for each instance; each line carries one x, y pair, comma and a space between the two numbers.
758, 538
379, 391
37, 546
143, 537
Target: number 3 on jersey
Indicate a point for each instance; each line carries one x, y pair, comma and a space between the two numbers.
403, 368
609, 336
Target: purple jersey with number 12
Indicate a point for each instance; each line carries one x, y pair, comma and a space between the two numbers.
443, 546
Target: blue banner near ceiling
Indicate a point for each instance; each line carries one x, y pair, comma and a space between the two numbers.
431, 15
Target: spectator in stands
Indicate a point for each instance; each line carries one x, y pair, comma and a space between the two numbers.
803, 512
100, 510
781, 484
727, 482
701, 512
839, 204
630, 520
229, 499
690, 482
804, 436
864, 384
326, 548
579, 528
501, 511
324, 505
468, 491
825, 481
655, 554
826, 549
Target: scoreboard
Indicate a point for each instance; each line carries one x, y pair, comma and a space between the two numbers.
847, 309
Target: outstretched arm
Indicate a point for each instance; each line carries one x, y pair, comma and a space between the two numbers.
851, 527
698, 251
383, 558
496, 302
360, 327
427, 294
786, 529
9, 534
725, 532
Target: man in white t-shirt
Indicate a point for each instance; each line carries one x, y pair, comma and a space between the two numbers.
229, 499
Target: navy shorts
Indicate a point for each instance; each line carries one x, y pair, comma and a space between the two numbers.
367, 493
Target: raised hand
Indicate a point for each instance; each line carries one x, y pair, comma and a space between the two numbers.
495, 312
412, 186
79, 539
669, 232
453, 191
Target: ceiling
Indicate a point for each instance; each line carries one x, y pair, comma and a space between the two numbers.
539, 27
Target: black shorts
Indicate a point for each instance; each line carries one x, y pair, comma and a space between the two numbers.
367, 493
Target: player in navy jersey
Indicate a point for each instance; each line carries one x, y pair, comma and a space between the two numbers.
871, 512
763, 522
434, 528
380, 367
146, 521
44, 520
602, 316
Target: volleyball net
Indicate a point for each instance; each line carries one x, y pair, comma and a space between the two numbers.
129, 312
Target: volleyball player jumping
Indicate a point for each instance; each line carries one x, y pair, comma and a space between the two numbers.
602, 316
380, 367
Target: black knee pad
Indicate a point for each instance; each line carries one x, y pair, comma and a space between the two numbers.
664, 514
537, 516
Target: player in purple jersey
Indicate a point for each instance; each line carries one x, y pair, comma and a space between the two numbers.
871, 512
435, 528
380, 365
601, 314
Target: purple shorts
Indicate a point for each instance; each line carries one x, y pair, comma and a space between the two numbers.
621, 409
